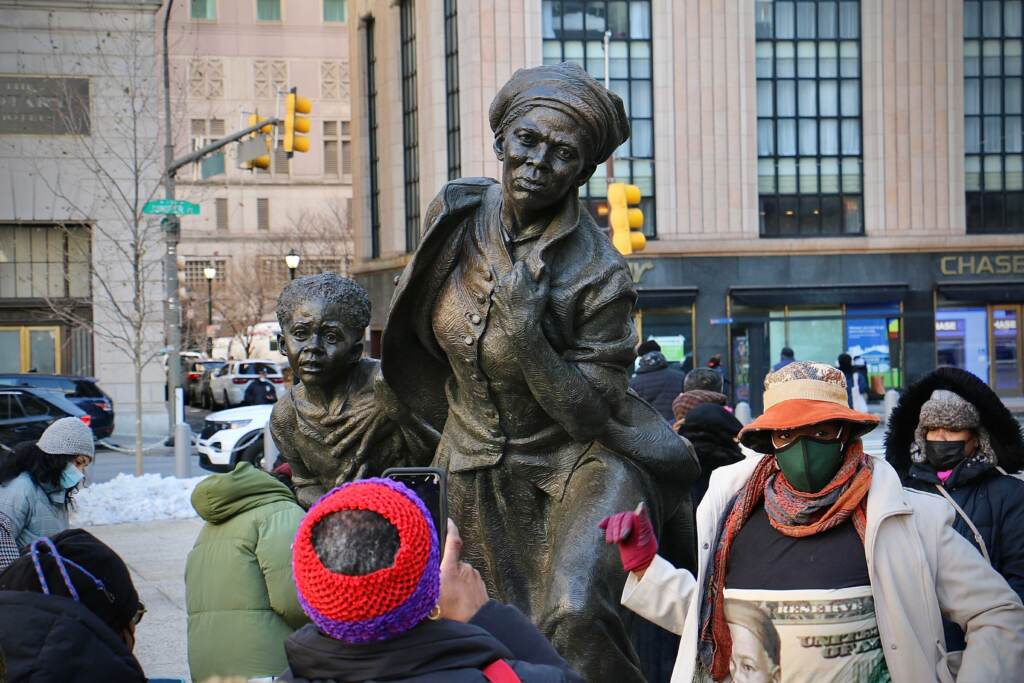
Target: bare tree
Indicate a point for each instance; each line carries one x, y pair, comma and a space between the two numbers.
101, 177
247, 297
323, 237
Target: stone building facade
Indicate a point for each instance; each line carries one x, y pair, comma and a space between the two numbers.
230, 59
79, 118
829, 176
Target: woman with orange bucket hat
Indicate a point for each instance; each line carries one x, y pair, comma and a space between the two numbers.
848, 574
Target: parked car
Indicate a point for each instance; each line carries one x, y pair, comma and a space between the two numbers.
26, 412
232, 436
82, 391
228, 383
193, 378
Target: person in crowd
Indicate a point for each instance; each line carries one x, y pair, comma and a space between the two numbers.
715, 363
37, 483
950, 434
260, 391
645, 347
845, 364
702, 385
712, 430
386, 605
657, 383
815, 519
69, 611
239, 591
786, 356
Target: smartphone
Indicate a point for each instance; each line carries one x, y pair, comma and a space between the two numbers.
430, 485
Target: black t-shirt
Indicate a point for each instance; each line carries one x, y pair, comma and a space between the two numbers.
762, 558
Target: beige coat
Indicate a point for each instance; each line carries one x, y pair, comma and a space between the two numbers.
921, 570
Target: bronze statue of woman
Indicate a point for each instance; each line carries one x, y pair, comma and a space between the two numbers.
511, 331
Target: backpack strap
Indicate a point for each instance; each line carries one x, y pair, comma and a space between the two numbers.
974, 530
499, 671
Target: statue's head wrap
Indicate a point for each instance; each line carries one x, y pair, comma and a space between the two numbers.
572, 91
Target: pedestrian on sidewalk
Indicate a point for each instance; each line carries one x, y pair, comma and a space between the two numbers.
657, 383
950, 434
387, 606
239, 591
69, 613
816, 524
260, 391
37, 483
712, 430
702, 385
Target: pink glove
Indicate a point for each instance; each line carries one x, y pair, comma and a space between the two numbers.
633, 533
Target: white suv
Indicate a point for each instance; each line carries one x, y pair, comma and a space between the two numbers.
228, 383
231, 436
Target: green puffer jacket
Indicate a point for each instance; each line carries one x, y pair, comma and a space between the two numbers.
239, 590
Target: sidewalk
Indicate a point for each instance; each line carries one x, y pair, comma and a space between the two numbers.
155, 553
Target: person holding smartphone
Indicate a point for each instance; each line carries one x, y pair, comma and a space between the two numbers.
357, 553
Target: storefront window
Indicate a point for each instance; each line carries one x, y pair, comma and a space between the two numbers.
813, 333
672, 328
961, 339
1006, 350
873, 340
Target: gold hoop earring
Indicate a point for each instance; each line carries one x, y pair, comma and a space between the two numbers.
435, 613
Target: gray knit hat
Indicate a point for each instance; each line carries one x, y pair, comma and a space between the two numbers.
67, 436
948, 410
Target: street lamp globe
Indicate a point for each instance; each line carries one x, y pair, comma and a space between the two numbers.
209, 272
292, 258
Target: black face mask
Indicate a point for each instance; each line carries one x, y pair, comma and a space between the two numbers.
944, 455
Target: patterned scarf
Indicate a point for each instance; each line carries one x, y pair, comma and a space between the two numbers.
791, 512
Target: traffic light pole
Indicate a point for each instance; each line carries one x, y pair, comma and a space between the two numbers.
172, 231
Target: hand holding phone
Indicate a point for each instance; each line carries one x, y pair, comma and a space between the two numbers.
429, 484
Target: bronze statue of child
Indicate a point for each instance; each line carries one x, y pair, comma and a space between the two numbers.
341, 421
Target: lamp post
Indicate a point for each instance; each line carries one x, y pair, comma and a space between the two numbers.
292, 258
209, 272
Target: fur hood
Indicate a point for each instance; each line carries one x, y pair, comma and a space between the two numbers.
1003, 431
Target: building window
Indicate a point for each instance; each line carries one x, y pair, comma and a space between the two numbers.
195, 279
203, 9
335, 10
993, 133
263, 214
371, 120
268, 10
45, 262
410, 126
451, 88
221, 206
809, 118
331, 149
574, 31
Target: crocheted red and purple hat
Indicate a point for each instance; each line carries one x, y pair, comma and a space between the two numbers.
382, 604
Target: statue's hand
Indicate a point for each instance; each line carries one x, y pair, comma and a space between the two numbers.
518, 304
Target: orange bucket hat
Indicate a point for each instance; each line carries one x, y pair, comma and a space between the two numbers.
799, 394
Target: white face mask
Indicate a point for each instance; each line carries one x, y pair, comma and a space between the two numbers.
70, 478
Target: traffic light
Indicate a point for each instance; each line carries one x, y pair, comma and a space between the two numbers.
262, 162
294, 124
625, 221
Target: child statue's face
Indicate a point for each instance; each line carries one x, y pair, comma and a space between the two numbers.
318, 344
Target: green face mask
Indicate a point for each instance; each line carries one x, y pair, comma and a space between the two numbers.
809, 464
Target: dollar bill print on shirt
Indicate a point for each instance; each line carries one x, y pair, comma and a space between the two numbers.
795, 636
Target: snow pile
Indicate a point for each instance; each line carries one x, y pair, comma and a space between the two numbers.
126, 498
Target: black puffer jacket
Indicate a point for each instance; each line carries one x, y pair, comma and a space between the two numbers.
657, 383
712, 430
439, 651
50, 638
993, 501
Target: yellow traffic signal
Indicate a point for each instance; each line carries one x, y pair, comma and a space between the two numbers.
294, 124
625, 221
262, 162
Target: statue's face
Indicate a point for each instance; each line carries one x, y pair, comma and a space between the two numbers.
543, 158
319, 346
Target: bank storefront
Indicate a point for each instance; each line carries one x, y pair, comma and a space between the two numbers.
898, 314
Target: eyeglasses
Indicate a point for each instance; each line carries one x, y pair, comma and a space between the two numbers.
139, 613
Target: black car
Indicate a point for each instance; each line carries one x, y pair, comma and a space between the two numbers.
196, 371
82, 391
25, 413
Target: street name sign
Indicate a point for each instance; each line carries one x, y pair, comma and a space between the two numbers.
163, 207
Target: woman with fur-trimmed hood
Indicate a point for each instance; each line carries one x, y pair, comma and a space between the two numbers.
951, 435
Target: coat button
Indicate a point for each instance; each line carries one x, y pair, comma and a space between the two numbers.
468, 340
892, 646
396, 279
475, 319
488, 276
706, 546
